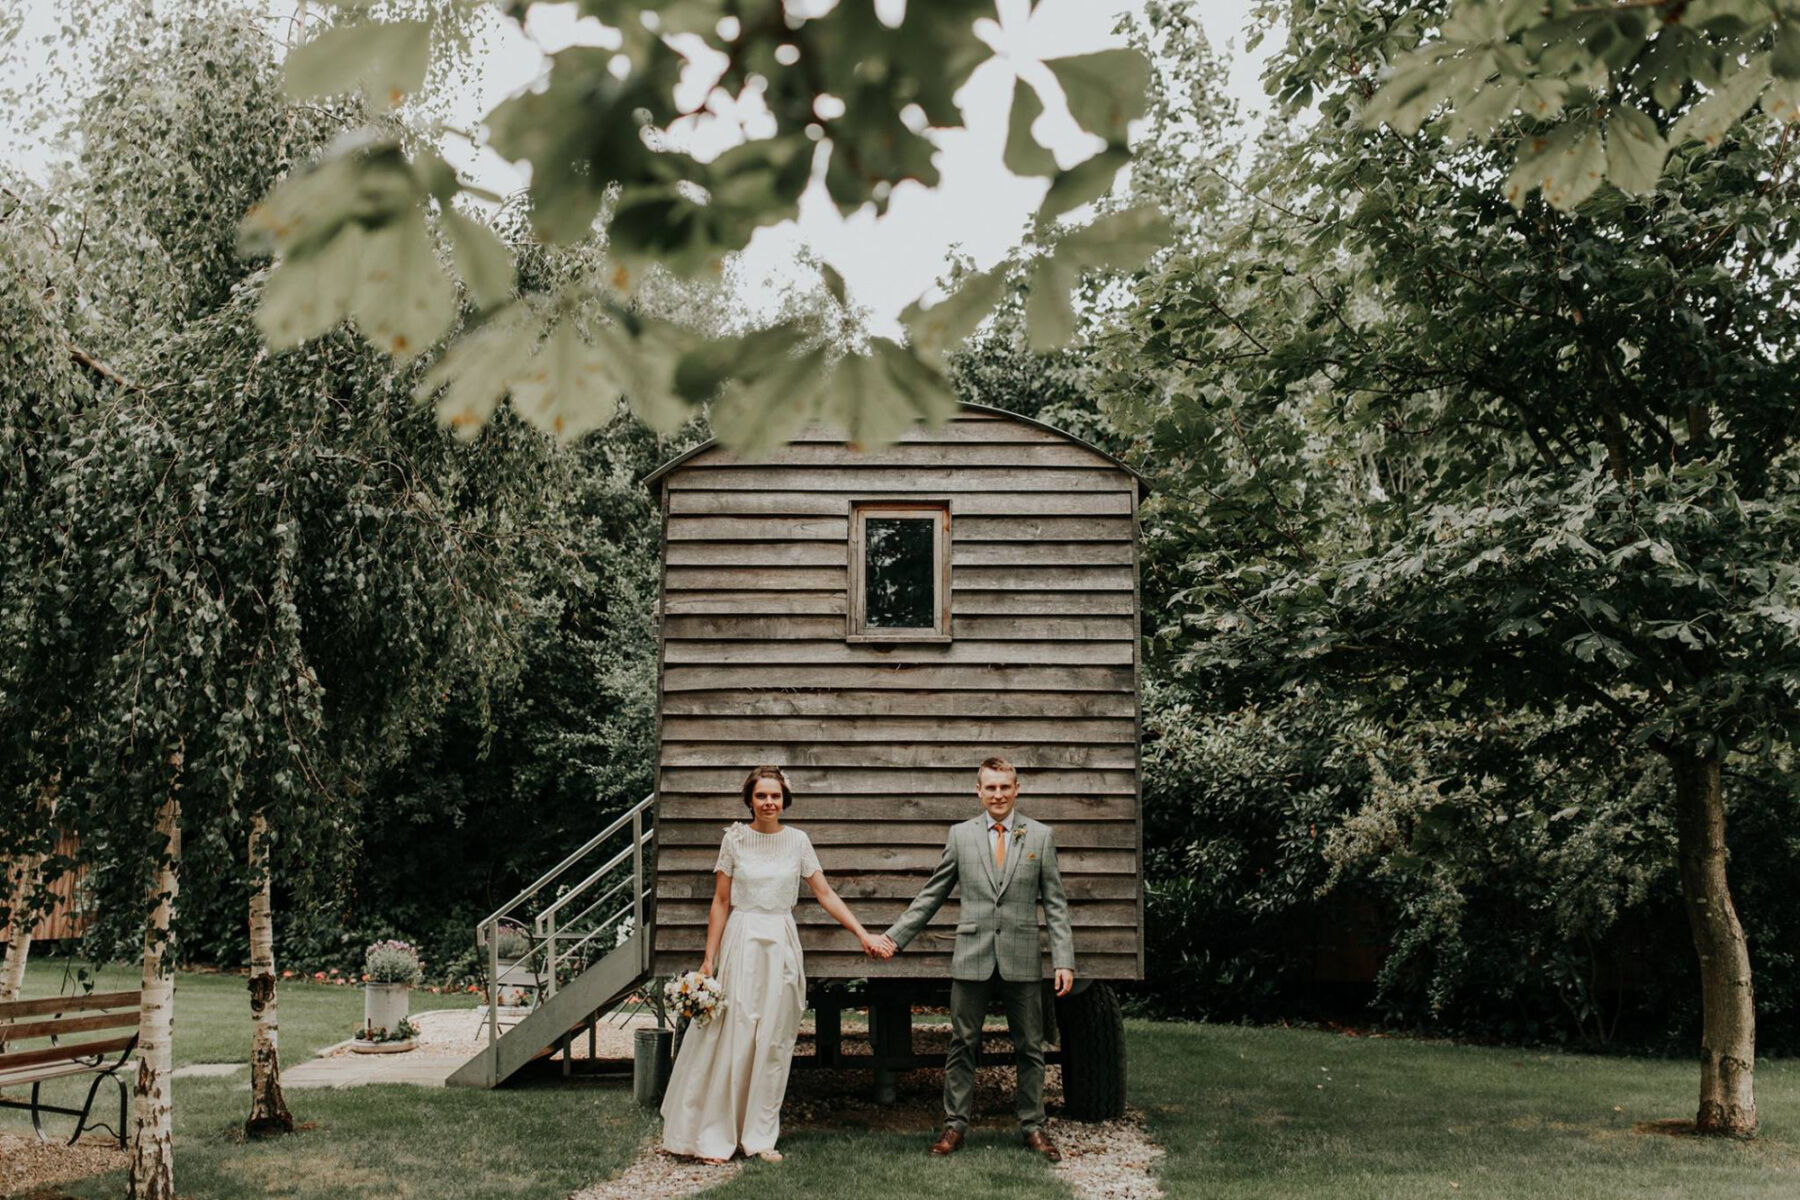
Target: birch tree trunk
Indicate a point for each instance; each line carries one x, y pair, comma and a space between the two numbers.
268, 1107
1728, 1008
152, 1166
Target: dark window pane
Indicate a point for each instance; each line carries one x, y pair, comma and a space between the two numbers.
898, 573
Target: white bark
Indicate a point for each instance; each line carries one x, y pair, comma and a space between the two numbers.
152, 1166
268, 1107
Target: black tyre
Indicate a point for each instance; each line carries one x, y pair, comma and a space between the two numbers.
1093, 1053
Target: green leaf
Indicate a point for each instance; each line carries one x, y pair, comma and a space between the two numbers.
1635, 151
1083, 183
1566, 165
385, 59
935, 331
1119, 240
1478, 116
1023, 154
306, 296
482, 259
644, 365
1784, 61
1782, 100
568, 387
1105, 91
402, 301
477, 371
753, 416
1049, 316
880, 395
1708, 120
1420, 83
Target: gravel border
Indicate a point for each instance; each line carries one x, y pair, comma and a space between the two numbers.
653, 1175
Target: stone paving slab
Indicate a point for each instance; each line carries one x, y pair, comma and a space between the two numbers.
416, 1067
207, 1070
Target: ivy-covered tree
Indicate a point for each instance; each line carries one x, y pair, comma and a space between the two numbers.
1457, 458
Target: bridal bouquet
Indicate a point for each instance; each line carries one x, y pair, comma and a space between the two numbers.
694, 997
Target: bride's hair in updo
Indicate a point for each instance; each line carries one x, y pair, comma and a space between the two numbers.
767, 772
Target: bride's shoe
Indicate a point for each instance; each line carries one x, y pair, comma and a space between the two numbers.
769, 1156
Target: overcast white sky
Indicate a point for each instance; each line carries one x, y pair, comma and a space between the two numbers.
887, 263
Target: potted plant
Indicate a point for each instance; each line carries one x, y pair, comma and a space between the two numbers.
390, 968
375, 1039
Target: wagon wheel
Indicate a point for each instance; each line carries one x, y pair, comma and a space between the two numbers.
1092, 1028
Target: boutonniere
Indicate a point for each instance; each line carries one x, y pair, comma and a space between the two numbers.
1018, 833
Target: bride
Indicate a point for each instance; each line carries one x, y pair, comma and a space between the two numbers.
729, 1078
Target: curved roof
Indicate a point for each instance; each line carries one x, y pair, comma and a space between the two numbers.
655, 477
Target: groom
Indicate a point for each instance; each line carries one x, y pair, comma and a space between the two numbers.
1006, 865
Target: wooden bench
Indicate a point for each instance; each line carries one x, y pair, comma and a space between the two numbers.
67, 1052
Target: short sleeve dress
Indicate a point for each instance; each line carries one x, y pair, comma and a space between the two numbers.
731, 1074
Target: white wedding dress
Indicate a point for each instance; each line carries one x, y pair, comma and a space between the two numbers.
729, 1078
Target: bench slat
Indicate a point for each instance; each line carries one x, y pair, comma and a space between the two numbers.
32, 1058
41, 1074
68, 1004
58, 1027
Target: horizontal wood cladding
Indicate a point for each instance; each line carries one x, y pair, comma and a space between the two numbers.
850, 702
965, 602
1031, 577
825, 831
881, 739
938, 811
789, 627
1117, 731
877, 672
877, 914
915, 962
698, 884
694, 498
1088, 940
963, 553
852, 859
837, 529
886, 781
895, 480
962, 652
953, 755
978, 456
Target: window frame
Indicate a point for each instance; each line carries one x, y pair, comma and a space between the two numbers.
856, 629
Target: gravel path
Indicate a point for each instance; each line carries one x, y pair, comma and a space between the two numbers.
654, 1175
1107, 1160
27, 1164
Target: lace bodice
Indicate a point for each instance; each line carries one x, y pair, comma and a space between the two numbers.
766, 868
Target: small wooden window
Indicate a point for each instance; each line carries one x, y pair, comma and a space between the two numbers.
900, 572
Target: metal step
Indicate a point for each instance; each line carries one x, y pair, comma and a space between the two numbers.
569, 1009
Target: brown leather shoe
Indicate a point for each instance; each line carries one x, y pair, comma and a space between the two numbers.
1035, 1140
949, 1143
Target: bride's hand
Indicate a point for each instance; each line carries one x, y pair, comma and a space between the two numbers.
706, 967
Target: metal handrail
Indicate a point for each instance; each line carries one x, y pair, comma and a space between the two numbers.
636, 813
546, 924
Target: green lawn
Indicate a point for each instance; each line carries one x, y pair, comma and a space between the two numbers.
1244, 1114
1264, 1113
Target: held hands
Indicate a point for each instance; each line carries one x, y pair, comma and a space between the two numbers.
1065, 979
882, 947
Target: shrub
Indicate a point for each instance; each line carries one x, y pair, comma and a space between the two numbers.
392, 961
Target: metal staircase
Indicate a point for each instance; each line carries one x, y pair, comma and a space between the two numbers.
589, 944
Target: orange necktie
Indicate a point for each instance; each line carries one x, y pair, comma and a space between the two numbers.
1000, 847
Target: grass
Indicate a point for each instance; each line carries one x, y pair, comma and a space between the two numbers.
1244, 1114
1265, 1113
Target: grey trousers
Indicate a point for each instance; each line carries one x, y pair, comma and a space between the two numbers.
1024, 1021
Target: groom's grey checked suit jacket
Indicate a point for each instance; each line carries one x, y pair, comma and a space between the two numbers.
998, 929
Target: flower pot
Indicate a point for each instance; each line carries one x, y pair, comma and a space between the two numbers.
652, 1056
365, 1047
384, 1004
